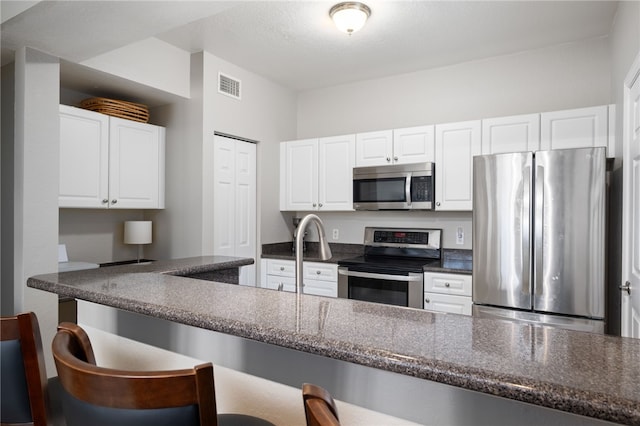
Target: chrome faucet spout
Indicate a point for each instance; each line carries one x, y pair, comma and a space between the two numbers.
325, 251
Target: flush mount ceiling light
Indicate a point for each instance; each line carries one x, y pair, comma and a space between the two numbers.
350, 16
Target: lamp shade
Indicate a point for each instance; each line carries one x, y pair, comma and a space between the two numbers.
137, 232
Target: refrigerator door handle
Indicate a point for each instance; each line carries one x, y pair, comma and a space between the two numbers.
526, 231
538, 228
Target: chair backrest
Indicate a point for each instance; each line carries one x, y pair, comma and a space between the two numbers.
319, 407
23, 377
103, 396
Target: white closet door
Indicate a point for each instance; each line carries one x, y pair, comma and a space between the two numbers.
245, 204
235, 202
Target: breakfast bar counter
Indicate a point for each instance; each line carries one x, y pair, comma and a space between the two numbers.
581, 373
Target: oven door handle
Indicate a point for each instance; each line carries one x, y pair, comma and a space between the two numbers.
348, 273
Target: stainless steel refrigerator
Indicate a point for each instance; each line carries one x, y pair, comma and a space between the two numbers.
539, 222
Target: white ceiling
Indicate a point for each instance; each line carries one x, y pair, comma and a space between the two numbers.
294, 42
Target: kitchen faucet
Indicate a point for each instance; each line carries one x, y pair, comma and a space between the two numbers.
325, 251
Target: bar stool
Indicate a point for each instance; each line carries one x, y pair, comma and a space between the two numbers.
319, 407
22, 372
103, 396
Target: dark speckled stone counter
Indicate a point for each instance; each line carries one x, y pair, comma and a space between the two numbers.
453, 260
588, 374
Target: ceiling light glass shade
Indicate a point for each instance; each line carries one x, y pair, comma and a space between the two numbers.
349, 17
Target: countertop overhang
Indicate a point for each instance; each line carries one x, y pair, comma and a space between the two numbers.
582, 373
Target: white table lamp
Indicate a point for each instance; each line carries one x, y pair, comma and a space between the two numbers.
138, 232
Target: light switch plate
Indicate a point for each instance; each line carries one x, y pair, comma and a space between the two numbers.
336, 234
460, 235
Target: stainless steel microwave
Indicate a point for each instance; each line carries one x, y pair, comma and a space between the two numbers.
397, 187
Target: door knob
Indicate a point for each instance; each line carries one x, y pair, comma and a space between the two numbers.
626, 287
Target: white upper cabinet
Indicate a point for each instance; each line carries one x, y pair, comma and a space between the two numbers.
84, 158
108, 162
399, 146
517, 133
414, 145
374, 148
335, 172
316, 174
455, 146
575, 128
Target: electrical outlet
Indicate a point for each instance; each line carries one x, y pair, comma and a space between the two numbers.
460, 236
336, 234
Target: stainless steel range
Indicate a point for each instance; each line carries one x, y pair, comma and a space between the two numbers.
391, 270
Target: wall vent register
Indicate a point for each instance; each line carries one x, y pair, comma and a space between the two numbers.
229, 86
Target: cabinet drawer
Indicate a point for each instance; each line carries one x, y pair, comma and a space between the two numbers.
320, 271
283, 268
281, 283
447, 303
455, 284
320, 288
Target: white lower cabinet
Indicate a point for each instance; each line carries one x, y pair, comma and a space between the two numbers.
320, 279
451, 293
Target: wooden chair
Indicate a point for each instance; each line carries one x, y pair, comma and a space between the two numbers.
319, 407
102, 396
23, 375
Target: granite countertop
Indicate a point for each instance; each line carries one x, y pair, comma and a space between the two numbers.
583, 373
456, 261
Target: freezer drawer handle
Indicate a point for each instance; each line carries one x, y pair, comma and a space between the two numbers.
626, 287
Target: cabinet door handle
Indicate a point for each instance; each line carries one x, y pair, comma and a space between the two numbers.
280, 286
320, 205
438, 203
388, 159
105, 200
318, 272
395, 158
427, 301
282, 268
314, 204
447, 285
114, 201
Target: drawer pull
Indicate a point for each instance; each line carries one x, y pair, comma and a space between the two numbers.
318, 272
282, 268
447, 285
427, 301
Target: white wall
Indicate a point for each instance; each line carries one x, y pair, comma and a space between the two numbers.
350, 225
6, 194
266, 113
559, 77
36, 177
151, 62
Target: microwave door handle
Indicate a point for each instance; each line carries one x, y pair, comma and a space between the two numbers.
407, 189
